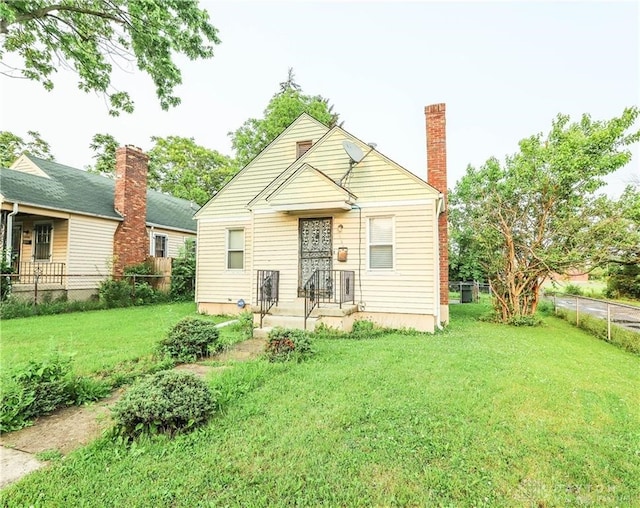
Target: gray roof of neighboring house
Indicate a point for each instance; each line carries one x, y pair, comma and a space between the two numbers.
78, 191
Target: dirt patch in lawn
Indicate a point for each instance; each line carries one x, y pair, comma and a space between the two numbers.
72, 427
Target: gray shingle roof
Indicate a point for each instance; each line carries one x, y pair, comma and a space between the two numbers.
78, 191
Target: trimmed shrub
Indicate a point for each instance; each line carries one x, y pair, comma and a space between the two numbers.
190, 339
168, 402
285, 344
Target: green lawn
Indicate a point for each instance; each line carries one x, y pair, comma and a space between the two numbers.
479, 415
98, 340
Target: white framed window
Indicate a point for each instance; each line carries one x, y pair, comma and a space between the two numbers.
160, 247
235, 249
42, 241
381, 243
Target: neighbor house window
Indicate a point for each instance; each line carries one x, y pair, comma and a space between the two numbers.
235, 249
160, 246
43, 234
302, 147
381, 243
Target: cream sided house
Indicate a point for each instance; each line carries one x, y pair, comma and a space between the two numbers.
73, 228
321, 227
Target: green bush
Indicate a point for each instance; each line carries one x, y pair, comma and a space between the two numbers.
168, 402
245, 324
5, 282
115, 293
183, 273
624, 281
16, 308
38, 388
190, 339
286, 344
573, 289
365, 329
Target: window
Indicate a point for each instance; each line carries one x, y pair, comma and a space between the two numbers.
302, 147
160, 246
235, 249
42, 235
381, 243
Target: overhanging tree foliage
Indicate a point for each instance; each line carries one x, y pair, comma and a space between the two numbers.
90, 36
538, 213
255, 134
12, 146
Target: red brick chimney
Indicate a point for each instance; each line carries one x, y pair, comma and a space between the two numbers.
130, 241
437, 177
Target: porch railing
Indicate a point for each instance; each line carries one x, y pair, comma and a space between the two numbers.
39, 273
328, 286
268, 284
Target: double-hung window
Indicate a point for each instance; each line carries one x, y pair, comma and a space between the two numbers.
160, 246
381, 243
235, 249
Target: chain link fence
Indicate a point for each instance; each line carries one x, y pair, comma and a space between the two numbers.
579, 308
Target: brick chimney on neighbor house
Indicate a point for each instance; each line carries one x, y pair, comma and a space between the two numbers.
130, 241
437, 177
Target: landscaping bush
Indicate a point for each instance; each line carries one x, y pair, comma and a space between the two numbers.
168, 402
245, 324
285, 344
190, 339
115, 293
38, 388
183, 273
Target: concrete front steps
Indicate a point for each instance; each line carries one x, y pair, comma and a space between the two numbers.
291, 315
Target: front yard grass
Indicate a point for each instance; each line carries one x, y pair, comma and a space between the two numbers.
479, 415
98, 340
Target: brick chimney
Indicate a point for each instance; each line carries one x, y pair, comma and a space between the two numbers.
437, 177
130, 241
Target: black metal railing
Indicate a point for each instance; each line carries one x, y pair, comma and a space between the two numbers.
39, 273
267, 290
328, 286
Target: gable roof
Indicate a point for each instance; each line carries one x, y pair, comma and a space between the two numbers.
327, 193
291, 126
74, 190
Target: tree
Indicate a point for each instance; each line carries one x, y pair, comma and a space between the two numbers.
12, 146
90, 36
538, 213
177, 166
187, 170
284, 107
105, 146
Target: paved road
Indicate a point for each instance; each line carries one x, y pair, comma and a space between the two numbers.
626, 316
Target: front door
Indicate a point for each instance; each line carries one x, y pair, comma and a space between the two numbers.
315, 248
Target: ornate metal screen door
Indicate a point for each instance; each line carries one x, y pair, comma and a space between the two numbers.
315, 248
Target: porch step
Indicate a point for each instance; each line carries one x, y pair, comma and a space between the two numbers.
296, 308
271, 321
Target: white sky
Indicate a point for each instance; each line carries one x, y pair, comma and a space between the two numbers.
504, 69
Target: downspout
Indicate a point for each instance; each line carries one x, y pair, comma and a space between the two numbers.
9, 234
439, 207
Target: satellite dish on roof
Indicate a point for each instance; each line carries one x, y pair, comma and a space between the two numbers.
353, 151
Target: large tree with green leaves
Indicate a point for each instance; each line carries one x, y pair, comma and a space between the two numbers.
12, 146
538, 212
284, 107
182, 168
177, 166
90, 36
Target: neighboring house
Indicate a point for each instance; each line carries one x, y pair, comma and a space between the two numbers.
321, 218
74, 228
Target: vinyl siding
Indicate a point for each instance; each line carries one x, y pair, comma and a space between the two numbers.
214, 283
308, 186
175, 240
90, 250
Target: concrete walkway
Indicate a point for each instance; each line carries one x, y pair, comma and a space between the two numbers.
69, 428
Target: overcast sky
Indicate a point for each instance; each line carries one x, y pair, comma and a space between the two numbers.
504, 69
